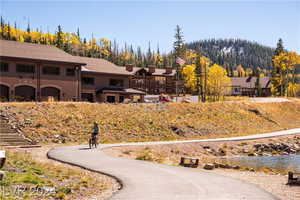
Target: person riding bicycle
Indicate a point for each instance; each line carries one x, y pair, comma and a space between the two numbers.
95, 132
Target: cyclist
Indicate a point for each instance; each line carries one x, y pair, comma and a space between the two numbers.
95, 133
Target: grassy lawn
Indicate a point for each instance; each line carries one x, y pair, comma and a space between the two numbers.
69, 122
28, 179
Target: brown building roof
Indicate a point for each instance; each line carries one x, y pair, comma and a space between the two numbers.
39, 52
249, 82
103, 66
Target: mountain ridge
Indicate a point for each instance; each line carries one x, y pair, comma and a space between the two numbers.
233, 52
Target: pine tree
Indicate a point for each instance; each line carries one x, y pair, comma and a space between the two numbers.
139, 57
8, 32
59, 38
78, 33
149, 55
279, 49
28, 28
2, 22
178, 45
277, 73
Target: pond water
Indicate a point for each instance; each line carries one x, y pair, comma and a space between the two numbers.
282, 163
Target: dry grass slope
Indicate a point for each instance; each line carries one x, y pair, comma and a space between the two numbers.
23, 172
72, 122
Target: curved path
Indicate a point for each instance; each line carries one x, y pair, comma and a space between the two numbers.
143, 180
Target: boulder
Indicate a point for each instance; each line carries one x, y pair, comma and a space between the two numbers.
236, 167
216, 165
228, 166
209, 166
209, 150
221, 152
222, 166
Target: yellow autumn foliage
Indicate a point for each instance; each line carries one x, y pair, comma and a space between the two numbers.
293, 90
218, 83
189, 76
284, 64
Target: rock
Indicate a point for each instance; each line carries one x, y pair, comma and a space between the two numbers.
228, 166
236, 167
245, 151
209, 166
257, 146
221, 152
216, 165
222, 166
293, 151
209, 150
177, 130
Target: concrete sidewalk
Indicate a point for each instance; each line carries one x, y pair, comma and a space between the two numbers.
150, 181
240, 138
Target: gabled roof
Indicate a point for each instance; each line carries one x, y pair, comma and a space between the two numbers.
101, 66
249, 82
38, 52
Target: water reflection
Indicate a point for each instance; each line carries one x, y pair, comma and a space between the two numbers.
282, 163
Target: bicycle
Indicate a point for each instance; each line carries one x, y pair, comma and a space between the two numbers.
93, 142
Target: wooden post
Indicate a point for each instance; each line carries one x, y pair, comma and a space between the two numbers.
290, 177
181, 161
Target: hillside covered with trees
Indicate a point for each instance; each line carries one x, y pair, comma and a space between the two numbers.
231, 53
228, 53
75, 44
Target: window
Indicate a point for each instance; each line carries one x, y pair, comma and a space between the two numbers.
50, 70
88, 80
237, 90
111, 99
116, 82
121, 99
3, 67
70, 72
25, 68
160, 80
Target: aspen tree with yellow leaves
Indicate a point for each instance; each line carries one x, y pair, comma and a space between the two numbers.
218, 83
241, 71
283, 80
189, 76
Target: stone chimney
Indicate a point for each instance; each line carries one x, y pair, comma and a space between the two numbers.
169, 70
151, 69
129, 67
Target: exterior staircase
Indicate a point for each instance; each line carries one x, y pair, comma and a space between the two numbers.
10, 136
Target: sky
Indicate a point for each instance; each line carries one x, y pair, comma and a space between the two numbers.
141, 22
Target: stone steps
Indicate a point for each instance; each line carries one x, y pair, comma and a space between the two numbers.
9, 136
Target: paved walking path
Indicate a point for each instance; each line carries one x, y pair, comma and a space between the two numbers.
143, 180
